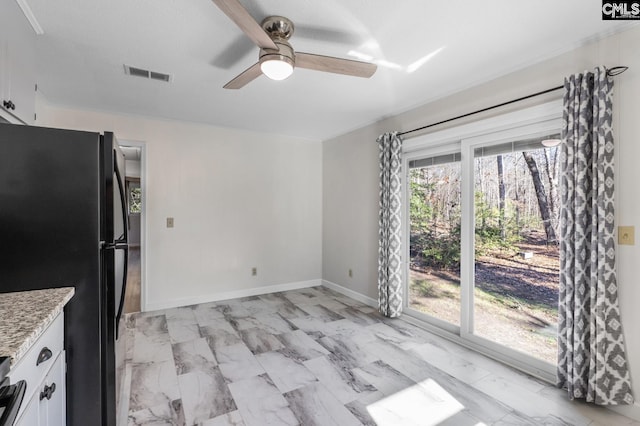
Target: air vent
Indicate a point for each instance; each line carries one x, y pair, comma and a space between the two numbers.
141, 72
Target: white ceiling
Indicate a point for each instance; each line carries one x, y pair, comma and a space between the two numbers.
425, 50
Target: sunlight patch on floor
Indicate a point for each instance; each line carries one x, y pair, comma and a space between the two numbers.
425, 404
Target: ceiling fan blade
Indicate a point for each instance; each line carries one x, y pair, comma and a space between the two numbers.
245, 77
238, 14
335, 65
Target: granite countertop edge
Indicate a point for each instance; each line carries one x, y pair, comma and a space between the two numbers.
20, 327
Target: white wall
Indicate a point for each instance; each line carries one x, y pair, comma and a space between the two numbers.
239, 199
132, 168
350, 170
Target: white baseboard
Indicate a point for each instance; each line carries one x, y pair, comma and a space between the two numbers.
215, 297
350, 293
631, 411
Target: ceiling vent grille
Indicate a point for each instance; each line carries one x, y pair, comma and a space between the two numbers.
141, 72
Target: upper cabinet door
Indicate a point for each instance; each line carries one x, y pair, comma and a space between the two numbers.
17, 63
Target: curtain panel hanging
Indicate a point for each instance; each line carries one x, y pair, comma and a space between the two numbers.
592, 363
389, 248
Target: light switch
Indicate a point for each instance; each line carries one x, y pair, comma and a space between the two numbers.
169, 222
626, 235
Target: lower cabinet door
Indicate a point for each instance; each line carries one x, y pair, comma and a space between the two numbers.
52, 395
31, 414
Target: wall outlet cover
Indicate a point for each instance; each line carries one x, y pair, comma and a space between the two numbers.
626, 235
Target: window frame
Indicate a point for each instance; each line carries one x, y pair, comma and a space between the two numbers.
448, 148
528, 122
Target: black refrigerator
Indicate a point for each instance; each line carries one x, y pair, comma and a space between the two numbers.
63, 222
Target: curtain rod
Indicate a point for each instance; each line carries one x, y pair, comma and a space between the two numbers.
610, 72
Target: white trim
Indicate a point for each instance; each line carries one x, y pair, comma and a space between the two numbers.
437, 150
143, 218
350, 293
631, 411
431, 320
214, 297
522, 361
467, 240
523, 117
532, 130
28, 13
512, 361
8, 116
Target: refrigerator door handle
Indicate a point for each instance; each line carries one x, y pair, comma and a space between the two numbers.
121, 243
125, 217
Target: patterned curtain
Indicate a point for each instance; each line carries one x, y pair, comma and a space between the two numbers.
591, 355
389, 255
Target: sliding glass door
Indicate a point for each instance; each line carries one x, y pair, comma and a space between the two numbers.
483, 253
434, 236
516, 256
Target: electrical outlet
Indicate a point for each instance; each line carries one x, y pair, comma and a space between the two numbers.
626, 235
350, 273
169, 222
254, 271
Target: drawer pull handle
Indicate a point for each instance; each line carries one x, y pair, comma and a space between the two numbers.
48, 391
45, 354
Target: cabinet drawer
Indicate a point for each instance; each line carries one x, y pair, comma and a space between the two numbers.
28, 368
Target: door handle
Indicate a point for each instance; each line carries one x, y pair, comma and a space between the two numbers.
48, 391
45, 355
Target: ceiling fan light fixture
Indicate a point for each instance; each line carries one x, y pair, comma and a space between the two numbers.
550, 143
276, 68
277, 64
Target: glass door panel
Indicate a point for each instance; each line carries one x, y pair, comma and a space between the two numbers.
434, 237
516, 255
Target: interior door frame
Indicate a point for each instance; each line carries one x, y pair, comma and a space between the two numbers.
143, 217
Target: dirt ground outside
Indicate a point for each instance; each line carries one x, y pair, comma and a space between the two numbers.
516, 296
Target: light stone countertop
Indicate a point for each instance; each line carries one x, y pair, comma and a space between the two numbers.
25, 315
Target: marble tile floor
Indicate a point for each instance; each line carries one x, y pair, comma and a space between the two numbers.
316, 357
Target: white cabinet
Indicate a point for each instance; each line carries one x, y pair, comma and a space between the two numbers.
47, 405
52, 399
17, 64
43, 369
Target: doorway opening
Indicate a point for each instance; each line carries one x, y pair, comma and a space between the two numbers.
134, 178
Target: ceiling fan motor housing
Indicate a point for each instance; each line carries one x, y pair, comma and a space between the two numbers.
284, 53
278, 27
280, 30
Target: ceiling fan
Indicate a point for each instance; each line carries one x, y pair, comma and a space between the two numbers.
277, 59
